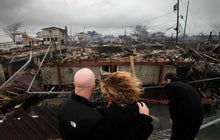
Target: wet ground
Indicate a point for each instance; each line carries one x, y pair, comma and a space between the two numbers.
211, 132
162, 128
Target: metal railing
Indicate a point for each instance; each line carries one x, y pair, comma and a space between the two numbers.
39, 68
15, 75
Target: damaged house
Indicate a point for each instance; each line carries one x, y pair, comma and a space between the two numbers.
53, 34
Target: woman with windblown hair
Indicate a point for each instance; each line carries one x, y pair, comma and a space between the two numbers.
123, 92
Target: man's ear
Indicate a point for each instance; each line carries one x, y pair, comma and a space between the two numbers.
94, 85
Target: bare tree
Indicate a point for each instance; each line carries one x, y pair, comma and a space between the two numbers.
11, 29
141, 32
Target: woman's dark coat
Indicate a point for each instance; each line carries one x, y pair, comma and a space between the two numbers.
129, 117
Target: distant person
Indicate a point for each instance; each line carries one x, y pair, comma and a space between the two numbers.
123, 92
185, 107
80, 120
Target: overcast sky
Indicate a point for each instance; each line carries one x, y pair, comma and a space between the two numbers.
109, 16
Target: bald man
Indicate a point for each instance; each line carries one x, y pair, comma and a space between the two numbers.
84, 82
79, 119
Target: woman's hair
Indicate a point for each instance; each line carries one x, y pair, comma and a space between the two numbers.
121, 88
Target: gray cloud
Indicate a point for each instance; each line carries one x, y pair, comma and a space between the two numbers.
107, 16
8, 5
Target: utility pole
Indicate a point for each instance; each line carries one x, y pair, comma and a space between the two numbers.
185, 21
177, 23
125, 32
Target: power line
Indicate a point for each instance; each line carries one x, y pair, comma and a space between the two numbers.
164, 15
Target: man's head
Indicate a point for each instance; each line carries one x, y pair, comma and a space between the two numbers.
170, 76
84, 82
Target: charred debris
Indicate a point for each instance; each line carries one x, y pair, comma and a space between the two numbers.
23, 83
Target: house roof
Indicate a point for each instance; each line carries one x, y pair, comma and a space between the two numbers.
52, 28
28, 38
